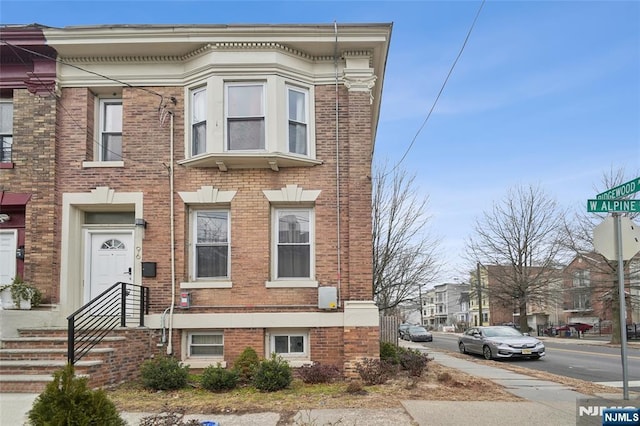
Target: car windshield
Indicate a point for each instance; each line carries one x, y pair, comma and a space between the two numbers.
417, 330
501, 332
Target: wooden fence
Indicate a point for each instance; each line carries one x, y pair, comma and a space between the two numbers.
389, 329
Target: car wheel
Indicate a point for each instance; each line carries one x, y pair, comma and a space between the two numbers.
486, 351
463, 350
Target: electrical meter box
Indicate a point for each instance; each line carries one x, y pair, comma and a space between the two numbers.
327, 298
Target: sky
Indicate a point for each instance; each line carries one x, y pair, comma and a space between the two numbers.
544, 93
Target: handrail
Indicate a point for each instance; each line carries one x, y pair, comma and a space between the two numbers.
119, 305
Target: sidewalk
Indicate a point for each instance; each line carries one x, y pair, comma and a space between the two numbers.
545, 403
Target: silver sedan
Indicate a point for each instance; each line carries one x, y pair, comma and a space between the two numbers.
500, 342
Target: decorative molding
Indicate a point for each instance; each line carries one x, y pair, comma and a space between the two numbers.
207, 195
291, 194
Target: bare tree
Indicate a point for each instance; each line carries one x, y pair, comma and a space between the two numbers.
520, 242
404, 258
603, 272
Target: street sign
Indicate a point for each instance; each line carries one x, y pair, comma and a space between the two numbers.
604, 240
620, 190
604, 206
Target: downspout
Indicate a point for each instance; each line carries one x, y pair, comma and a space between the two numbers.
172, 228
335, 65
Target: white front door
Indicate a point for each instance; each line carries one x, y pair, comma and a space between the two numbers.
8, 246
109, 260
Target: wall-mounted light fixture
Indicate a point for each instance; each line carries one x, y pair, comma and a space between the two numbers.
20, 253
4, 218
141, 222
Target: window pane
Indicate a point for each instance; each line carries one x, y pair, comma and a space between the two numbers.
296, 344
112, 117
6, 118
296, 106
246, 134
211, 261
212, 227
206, 339
199, 106
298, 138
293, 227
207, 351
245, 101
5, 149
281, 344
111, 147
199, 134
294, 261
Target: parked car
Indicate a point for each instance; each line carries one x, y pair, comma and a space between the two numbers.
500, 342
402, 330
417, 333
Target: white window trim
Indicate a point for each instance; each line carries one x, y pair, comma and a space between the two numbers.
192, 93
296, 359
265, 115
9, 101
222, 281
99, 155
201, 361
305, 92
293, 281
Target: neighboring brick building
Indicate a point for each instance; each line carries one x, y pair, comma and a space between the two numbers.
234, 162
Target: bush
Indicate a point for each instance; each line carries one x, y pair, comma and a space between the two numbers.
68, 401
414, 361
164, 373
390, 353
272, 374
219, 379
246, 364
319, 373
374, 371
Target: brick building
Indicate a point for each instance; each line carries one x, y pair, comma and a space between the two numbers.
226, 168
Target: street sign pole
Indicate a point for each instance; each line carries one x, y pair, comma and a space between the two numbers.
623, 308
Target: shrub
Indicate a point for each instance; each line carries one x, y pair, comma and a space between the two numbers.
272, 374
414, 361
246, 364
374, 371
390, 352
319, 373
164, 373
219, 379
355, 387
68, 401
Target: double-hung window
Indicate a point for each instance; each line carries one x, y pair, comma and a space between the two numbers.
6, 131
581, 278
111, 130
294, 241
245, 117
298, 120
199, 121
211, 248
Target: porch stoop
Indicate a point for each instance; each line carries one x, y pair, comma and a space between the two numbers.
27, 362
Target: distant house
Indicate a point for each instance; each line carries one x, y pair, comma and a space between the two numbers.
225, 168
446, 304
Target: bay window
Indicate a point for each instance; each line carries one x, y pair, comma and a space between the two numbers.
298, 119
6, 131
198, 121
245, 116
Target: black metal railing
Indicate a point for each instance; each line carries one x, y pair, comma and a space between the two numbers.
120, 305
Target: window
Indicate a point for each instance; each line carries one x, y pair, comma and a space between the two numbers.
581, 278
111, 130
581, 301
6, 131
298, 119
289, 344
198, 121
293, 241
211, 248
206, 344
245, 117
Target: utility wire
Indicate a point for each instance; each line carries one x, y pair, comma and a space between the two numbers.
433, 106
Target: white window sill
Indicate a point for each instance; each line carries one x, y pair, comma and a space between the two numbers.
90, 164
297, 363
207, 284
291, 284
204, 362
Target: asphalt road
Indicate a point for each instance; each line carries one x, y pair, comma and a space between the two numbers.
593, 363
